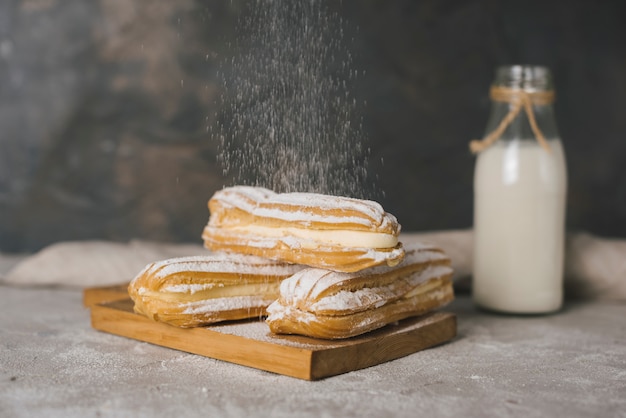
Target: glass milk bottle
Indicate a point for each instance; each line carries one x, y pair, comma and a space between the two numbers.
520, 186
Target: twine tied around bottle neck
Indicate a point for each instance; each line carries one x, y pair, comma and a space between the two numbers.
518, 98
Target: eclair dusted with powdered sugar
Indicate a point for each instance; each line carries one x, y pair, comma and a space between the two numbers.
200, 290
325, 304
329, 232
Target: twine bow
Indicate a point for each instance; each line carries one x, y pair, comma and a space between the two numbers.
518, 99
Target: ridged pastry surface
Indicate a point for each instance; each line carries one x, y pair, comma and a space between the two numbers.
327, 304
331, 232
199, 290
307, 210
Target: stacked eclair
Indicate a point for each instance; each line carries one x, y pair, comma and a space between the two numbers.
321, 266
200, 290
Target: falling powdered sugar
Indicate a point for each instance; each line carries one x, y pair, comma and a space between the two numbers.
287, 121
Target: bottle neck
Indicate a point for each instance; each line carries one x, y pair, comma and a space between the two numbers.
520, 126
521, 109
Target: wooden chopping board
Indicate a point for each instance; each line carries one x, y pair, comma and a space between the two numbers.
250, 343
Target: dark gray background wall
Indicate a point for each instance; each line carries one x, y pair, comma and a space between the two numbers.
105, 106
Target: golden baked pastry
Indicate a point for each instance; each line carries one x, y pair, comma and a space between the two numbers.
200, 290
330, 232
326, 304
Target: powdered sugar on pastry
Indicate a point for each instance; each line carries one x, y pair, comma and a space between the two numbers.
313, 284
376, 297
327, 304
194, 291
331, 232
306, 208
221, 263
188, 288
219, 305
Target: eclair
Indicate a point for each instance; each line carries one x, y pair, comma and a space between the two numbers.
329, 232
201, 290
332, 305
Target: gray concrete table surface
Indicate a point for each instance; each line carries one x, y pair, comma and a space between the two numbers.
573, 363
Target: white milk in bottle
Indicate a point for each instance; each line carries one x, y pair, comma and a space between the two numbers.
519, 198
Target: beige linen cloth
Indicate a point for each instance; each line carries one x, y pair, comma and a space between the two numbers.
595, 267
